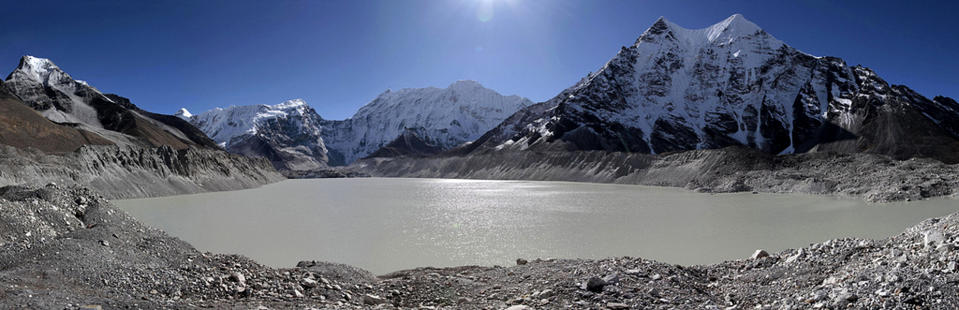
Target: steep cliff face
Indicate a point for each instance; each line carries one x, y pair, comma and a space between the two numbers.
134, 172
446, 117
288, 134
43, 86
729, 84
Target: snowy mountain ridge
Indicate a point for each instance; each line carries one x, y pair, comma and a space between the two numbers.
224, 124
444, 117
728, 84
440, 117
288, 133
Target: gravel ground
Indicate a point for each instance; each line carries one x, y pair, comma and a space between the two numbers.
68, 248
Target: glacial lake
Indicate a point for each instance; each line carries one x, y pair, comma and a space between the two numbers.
387, 224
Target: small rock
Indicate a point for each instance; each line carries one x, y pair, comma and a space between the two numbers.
464, 300
543, 294
237, 277
844, 298
309, 283
520, 261
297, 293
799, 254
595, 285
373, 299
656, 277
632, 271
932, 238
617, 305
882, 293
759, 254
519, 307
611, 279
104, 243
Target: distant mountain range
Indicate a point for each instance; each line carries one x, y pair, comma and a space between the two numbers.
420, 121
674, 89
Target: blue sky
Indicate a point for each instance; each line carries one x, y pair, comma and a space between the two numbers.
338, 55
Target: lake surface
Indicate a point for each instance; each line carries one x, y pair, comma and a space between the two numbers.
385, 224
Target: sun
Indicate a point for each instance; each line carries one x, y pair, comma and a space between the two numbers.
485, 9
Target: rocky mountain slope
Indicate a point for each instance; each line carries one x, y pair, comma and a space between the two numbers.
408, 144
442, 117
295, 137
43, 86
56, 129
288, 134
119, 172
63, 248
731, 84
23, 127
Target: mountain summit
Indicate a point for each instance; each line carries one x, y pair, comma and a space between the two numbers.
441, 117
103, 118
731, 84
288, 133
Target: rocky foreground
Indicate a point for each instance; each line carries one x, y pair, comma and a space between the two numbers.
874, 178
67, 248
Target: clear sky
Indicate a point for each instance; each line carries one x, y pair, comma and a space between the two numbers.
339, 55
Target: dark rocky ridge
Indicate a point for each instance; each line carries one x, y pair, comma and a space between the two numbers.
65, 247
23, 127
43, 86
408, 144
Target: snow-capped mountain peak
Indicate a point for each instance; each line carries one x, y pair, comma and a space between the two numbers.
291, 104
731, 27
37, 69
446, 117
727, 84
184, 114
48, 89
725, 32
224, 124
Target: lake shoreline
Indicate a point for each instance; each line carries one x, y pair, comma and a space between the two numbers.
93, 254
870, 177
